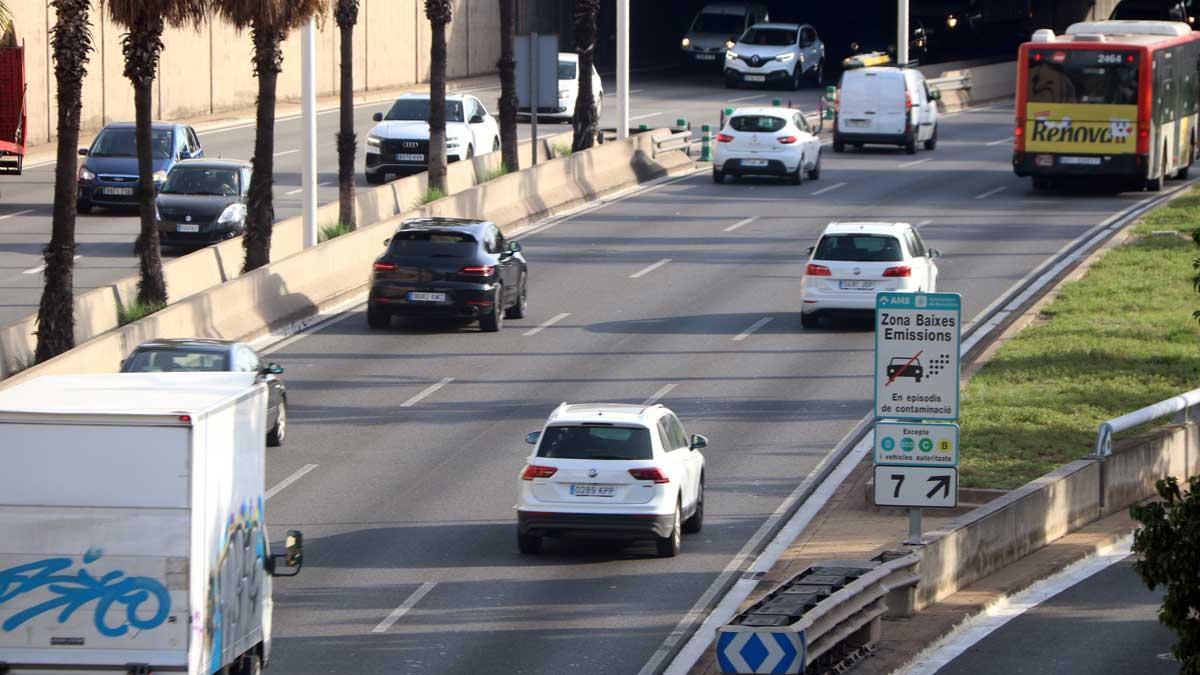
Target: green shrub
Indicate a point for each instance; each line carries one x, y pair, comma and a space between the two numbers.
493, 174
127, 315
334, 231
432, 194
561, 149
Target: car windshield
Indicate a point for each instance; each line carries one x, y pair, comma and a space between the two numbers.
197, 180
176, 360
771, 37
724, 24
757, 123
433, 243
859, 247
595, 442
123, 143
566, 70
417, 110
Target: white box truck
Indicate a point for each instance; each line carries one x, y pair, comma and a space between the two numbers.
132, 531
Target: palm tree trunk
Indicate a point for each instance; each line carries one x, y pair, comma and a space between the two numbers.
56, 315
508, 86
260, 208
437, 107
142, 45
347, 143
585, 122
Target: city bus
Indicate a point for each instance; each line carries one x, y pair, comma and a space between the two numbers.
1109, 99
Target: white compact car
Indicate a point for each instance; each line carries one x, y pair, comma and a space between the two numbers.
399, 144
767, 142
568, 91
612, 471
776, 53
854, 261
885, 106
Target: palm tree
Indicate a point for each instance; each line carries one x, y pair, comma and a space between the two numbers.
269, 22
142, 45
508, 85
71, 40
439, 13
346, 15
585, 120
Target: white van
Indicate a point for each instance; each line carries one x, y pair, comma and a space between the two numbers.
716, 28
885, 106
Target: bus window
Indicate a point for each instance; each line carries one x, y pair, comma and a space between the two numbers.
1083, 77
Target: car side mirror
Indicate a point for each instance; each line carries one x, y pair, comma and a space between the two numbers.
476, 119
387, 242
698, 442
935, 94
272, 369
533, 437
83, 152
514, 247
934, 253
291, 559
810, 249
378, 117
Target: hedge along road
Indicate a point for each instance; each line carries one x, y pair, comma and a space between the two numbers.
106, 237
412, 564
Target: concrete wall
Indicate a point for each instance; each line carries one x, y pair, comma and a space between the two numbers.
208, 70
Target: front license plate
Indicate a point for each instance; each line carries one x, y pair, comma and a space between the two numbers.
118, 191
754, 162
858, 123
589, 490
1080, 161
756, 78
182, 227
706, 57
856, 285
406, 157
427, 297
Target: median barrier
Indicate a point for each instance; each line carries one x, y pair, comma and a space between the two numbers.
990, 82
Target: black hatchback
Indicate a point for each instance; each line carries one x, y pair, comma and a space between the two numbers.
203, 202
449, 268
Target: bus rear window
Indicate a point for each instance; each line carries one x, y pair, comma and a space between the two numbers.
1083, 76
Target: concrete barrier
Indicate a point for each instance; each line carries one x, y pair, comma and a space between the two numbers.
991, 82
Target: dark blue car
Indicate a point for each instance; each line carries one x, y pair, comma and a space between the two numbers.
109, 174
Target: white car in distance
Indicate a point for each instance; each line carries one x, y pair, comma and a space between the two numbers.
767, 142
399, 143
776, 53
613, 471
568, 91
853, 261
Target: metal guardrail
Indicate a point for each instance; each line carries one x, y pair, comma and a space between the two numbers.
679, 140
1181, 406
955, 83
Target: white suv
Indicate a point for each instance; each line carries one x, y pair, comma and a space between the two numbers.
612, 471
773, 53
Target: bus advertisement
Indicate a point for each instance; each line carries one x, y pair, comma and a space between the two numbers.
1114, 99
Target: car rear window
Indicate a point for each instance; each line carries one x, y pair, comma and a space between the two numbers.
595, 442
759, 123
433, 243
176, 360
859, 247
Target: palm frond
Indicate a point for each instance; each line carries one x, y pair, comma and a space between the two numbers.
173, 12
277, 14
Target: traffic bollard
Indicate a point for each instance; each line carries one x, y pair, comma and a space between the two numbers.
705, 143
776, 102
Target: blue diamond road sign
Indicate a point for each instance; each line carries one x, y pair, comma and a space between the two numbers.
761, 652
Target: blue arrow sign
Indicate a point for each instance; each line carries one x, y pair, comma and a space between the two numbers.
761, 652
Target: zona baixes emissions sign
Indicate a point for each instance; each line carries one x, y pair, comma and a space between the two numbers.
916, 355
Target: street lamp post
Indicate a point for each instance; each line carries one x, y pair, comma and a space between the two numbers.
622, 69
308, 94
902, 32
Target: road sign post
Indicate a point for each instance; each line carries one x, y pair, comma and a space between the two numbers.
536, 59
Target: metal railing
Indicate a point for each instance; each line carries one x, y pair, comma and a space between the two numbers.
678, 140
1180, 406
955, 83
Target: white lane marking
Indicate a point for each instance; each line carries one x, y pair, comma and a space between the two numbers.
658, 395
39, 268
546, 324
740, 224
408, 604
915, 162
747, 98
831, 188
642, 117
428, 390
286, 152
753, 327
1002, 141
978, 627
925, 222
636, 91
993, 191
289, 480
15, 214
301, 189
648, 270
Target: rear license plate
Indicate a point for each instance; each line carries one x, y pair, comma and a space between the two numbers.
1080, 161
754, 162
590, 490
706, 57
181, 227
118, 191
427, 297
1044, 160
858, 123
756, 78
407, 157
856, 284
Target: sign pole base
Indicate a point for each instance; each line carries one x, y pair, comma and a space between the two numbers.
914, 529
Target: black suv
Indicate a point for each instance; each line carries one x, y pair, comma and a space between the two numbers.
449, 268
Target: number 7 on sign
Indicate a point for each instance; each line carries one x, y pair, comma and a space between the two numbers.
899, 478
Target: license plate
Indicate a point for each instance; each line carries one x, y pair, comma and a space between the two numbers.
856, 284
1080, 161
121, 191
756, 78
858, 123
406, 157
754, 162
427, 297
590, 490
706, 57
182, 227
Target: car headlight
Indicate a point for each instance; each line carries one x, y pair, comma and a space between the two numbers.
785, 57
730, 54
951, 21
160, 177
157, 215
685, 42
373, 144
730, 44
86, 173
234, 213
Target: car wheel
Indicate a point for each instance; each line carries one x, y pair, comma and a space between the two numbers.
1041, 183
517, 311
910, 147
815, 172
696, 522
528, 544
839, 146
1187, 168
668, 546
496, 144
797, 176
1154, 184
470, 152
718, 176
83, 207
375, 178
278, 435
797, 78
493, 321
932, 142
809, 320
377, 319
818, 76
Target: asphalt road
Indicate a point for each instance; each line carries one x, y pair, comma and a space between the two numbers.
405, 445
1106, 624
106, 238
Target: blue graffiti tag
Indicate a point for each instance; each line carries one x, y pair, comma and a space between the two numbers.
73, 592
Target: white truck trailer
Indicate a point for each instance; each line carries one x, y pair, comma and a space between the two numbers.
132, 531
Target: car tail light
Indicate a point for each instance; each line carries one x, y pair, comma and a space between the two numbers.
786, 140
385, 267
724, 138
1143, 141
908, 106
1019, 136
534, 471
898, 271
477, 270
653, 473
817, 271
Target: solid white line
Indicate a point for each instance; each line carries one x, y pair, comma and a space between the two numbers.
747, 98
408, 604
37, 270
925, 222
642, 117
15, 214
648, 270
636, 91
289, 480
658, 395
286, 152
915, 162
546, 324
831, 188
753, 327
1002, 141
991, 619
741, 223
297, 190
993, 191
428, 390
